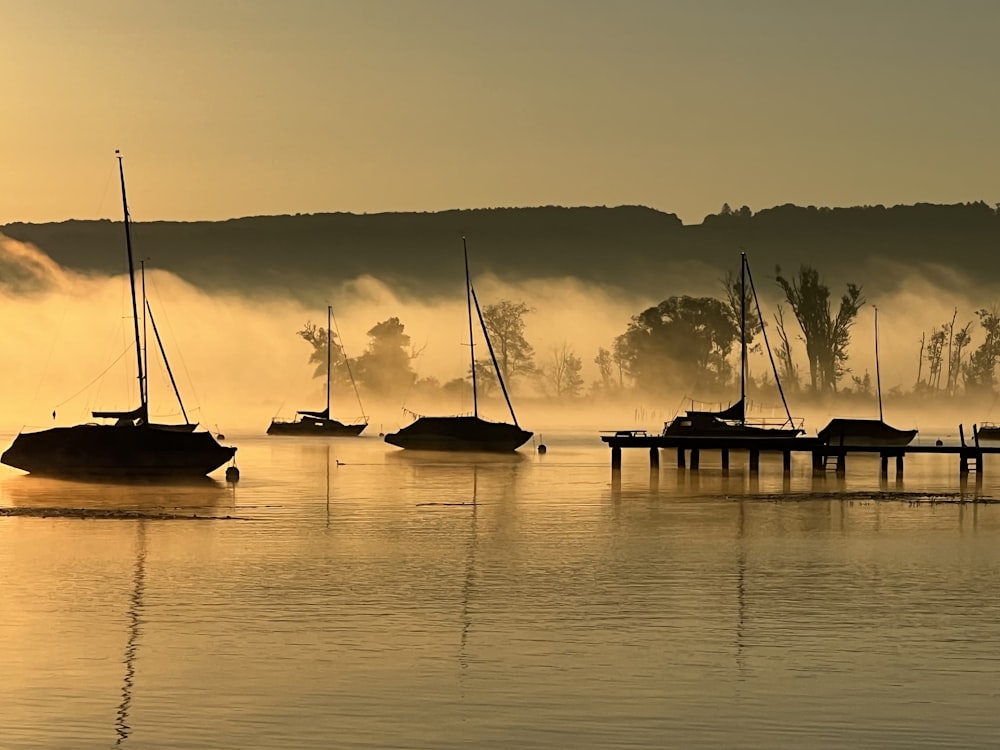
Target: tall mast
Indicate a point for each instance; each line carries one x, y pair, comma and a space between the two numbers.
472, 344
145, 333
743, 335
878, 377
329, 314
143, 407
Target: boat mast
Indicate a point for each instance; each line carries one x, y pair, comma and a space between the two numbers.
878, 378
472, 344
329, 314
743, 337
143, 406
145, 333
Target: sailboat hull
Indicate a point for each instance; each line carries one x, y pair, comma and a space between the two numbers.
864, 433
316, 427
459, 434
104, 450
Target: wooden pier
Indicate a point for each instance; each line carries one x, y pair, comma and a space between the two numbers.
823, 456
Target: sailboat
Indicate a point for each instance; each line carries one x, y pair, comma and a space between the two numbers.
866, 432
319, 422
131, 446
465, 433
732, 421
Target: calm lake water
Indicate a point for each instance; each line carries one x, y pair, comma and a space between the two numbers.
346, 594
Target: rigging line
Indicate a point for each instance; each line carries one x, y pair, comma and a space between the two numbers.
180, 352
347, 362
489, 345
763, 330
101, 375
166, 362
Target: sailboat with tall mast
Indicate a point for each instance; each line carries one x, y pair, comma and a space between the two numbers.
732, 421
466, 433
132, 445
867, 432
319, 422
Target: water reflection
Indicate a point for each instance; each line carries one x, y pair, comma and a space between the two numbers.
741, 593
468, 584
32, 495
122, 728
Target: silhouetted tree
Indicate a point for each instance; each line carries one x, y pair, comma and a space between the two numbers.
731, 285
826, 337
486, 377
935, 357
862, 385
980, 370
505, 323
787, 370
957, 341
316, 336
562, 373
385, 366
605, 366
683, 339
619, 355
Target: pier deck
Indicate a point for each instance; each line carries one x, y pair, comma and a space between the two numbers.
689, 448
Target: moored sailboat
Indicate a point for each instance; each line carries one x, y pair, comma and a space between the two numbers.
867, 432
131, 446
465, 433
320, 423
732, 421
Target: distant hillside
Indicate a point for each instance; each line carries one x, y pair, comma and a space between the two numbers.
631, 247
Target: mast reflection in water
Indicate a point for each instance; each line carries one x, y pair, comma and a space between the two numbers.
122, 727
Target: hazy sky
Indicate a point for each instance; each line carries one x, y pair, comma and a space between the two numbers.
229, 108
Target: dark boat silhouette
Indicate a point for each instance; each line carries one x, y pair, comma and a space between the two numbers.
132, 446
465, 433
864, 432
988, 431
732, 421
867, 432
319, 423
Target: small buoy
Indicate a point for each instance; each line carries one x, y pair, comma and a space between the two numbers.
542, 448
232, 474
938, 442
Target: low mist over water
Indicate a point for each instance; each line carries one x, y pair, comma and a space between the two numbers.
239, 361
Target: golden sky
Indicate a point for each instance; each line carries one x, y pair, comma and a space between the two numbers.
227, 108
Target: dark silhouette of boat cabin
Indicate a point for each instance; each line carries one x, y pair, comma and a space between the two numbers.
316, 423
864, 432
131, 446
465, 433
319, 423
729, 422
732, 421
988, 431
